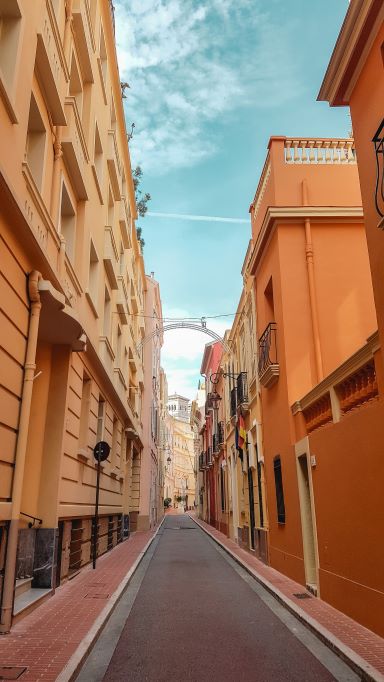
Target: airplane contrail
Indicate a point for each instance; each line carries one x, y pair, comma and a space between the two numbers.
202, 218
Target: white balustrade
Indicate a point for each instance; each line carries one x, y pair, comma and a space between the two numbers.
318, 150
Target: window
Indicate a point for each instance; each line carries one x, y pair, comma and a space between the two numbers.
279, 490
100, 419
35, 147
222, 489
111, 209
118, 346
84, 413
269, 303
10, 25
98, 158
68, 223
76, 86
93, 274
103, 59
115, 433
107, 313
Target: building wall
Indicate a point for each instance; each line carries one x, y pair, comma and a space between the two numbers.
151, 467
67, 210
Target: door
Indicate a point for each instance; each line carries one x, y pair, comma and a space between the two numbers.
251, 507
307, 523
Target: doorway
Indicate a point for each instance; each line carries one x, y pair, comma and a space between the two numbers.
251, 507
307, 524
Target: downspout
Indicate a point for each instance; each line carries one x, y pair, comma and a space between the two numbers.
21, 448
312, 289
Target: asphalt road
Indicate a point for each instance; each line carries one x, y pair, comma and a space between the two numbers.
191, 613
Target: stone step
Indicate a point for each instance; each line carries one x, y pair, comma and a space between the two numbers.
29, 600
22, 585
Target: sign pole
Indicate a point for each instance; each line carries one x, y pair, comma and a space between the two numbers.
100, 452
96, 531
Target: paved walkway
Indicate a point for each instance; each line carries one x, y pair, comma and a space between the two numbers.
192, 614
45, 640
355, 641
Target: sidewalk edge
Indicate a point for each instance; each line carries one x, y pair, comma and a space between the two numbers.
359, 664
72, 666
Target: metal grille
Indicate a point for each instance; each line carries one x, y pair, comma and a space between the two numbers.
233, 401
267, 348
242, 388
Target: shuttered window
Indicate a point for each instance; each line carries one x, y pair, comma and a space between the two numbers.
279, 490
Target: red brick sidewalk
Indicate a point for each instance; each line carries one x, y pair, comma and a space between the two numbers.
358, 644
45, 640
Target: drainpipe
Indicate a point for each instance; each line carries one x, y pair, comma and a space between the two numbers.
21, 448
312, 289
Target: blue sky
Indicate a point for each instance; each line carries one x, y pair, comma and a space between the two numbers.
210, 82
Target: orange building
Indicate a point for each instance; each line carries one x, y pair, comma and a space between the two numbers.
72, 292
355, 77
315, 312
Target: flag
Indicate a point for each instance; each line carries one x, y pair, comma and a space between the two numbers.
242, 433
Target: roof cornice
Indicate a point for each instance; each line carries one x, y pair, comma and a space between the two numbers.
275, 213
358, 32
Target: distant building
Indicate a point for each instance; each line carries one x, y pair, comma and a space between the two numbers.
179, 407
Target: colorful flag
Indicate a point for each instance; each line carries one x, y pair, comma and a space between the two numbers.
242, 433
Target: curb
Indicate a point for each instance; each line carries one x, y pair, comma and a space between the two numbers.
72, 667
367, 672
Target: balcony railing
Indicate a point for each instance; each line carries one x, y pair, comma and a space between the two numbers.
268, 366
221, 435
215, 444
209, 456
242, 388
233, 401
320, 151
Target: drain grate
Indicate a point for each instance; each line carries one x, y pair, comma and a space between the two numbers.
96, 596
302, 595
11, 672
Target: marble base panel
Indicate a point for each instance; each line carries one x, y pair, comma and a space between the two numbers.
44, 568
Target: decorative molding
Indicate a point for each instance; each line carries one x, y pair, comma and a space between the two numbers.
351, 365
274, 213
352, 47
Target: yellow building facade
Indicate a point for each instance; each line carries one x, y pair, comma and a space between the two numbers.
72, 294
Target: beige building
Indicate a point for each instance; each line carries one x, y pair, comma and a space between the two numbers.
151, 469
183, 464
71, 294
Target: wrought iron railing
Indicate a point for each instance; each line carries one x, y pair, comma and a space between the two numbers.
267, 348
220, 433
209, 456
112, 9
215, 443
242, 388
233, 401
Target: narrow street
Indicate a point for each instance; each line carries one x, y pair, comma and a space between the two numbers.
191, 613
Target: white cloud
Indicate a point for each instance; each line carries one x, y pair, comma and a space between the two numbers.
192, 63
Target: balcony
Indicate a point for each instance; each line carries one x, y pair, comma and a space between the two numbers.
268, 367
242, 389
113, 161
74, 148
110, 257
319, 151
51, 65
209, 456
233, 401
221, 433
202, 458
134, 305
83, 38
215, 444
121, 301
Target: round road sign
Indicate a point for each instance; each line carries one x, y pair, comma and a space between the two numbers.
101, 451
